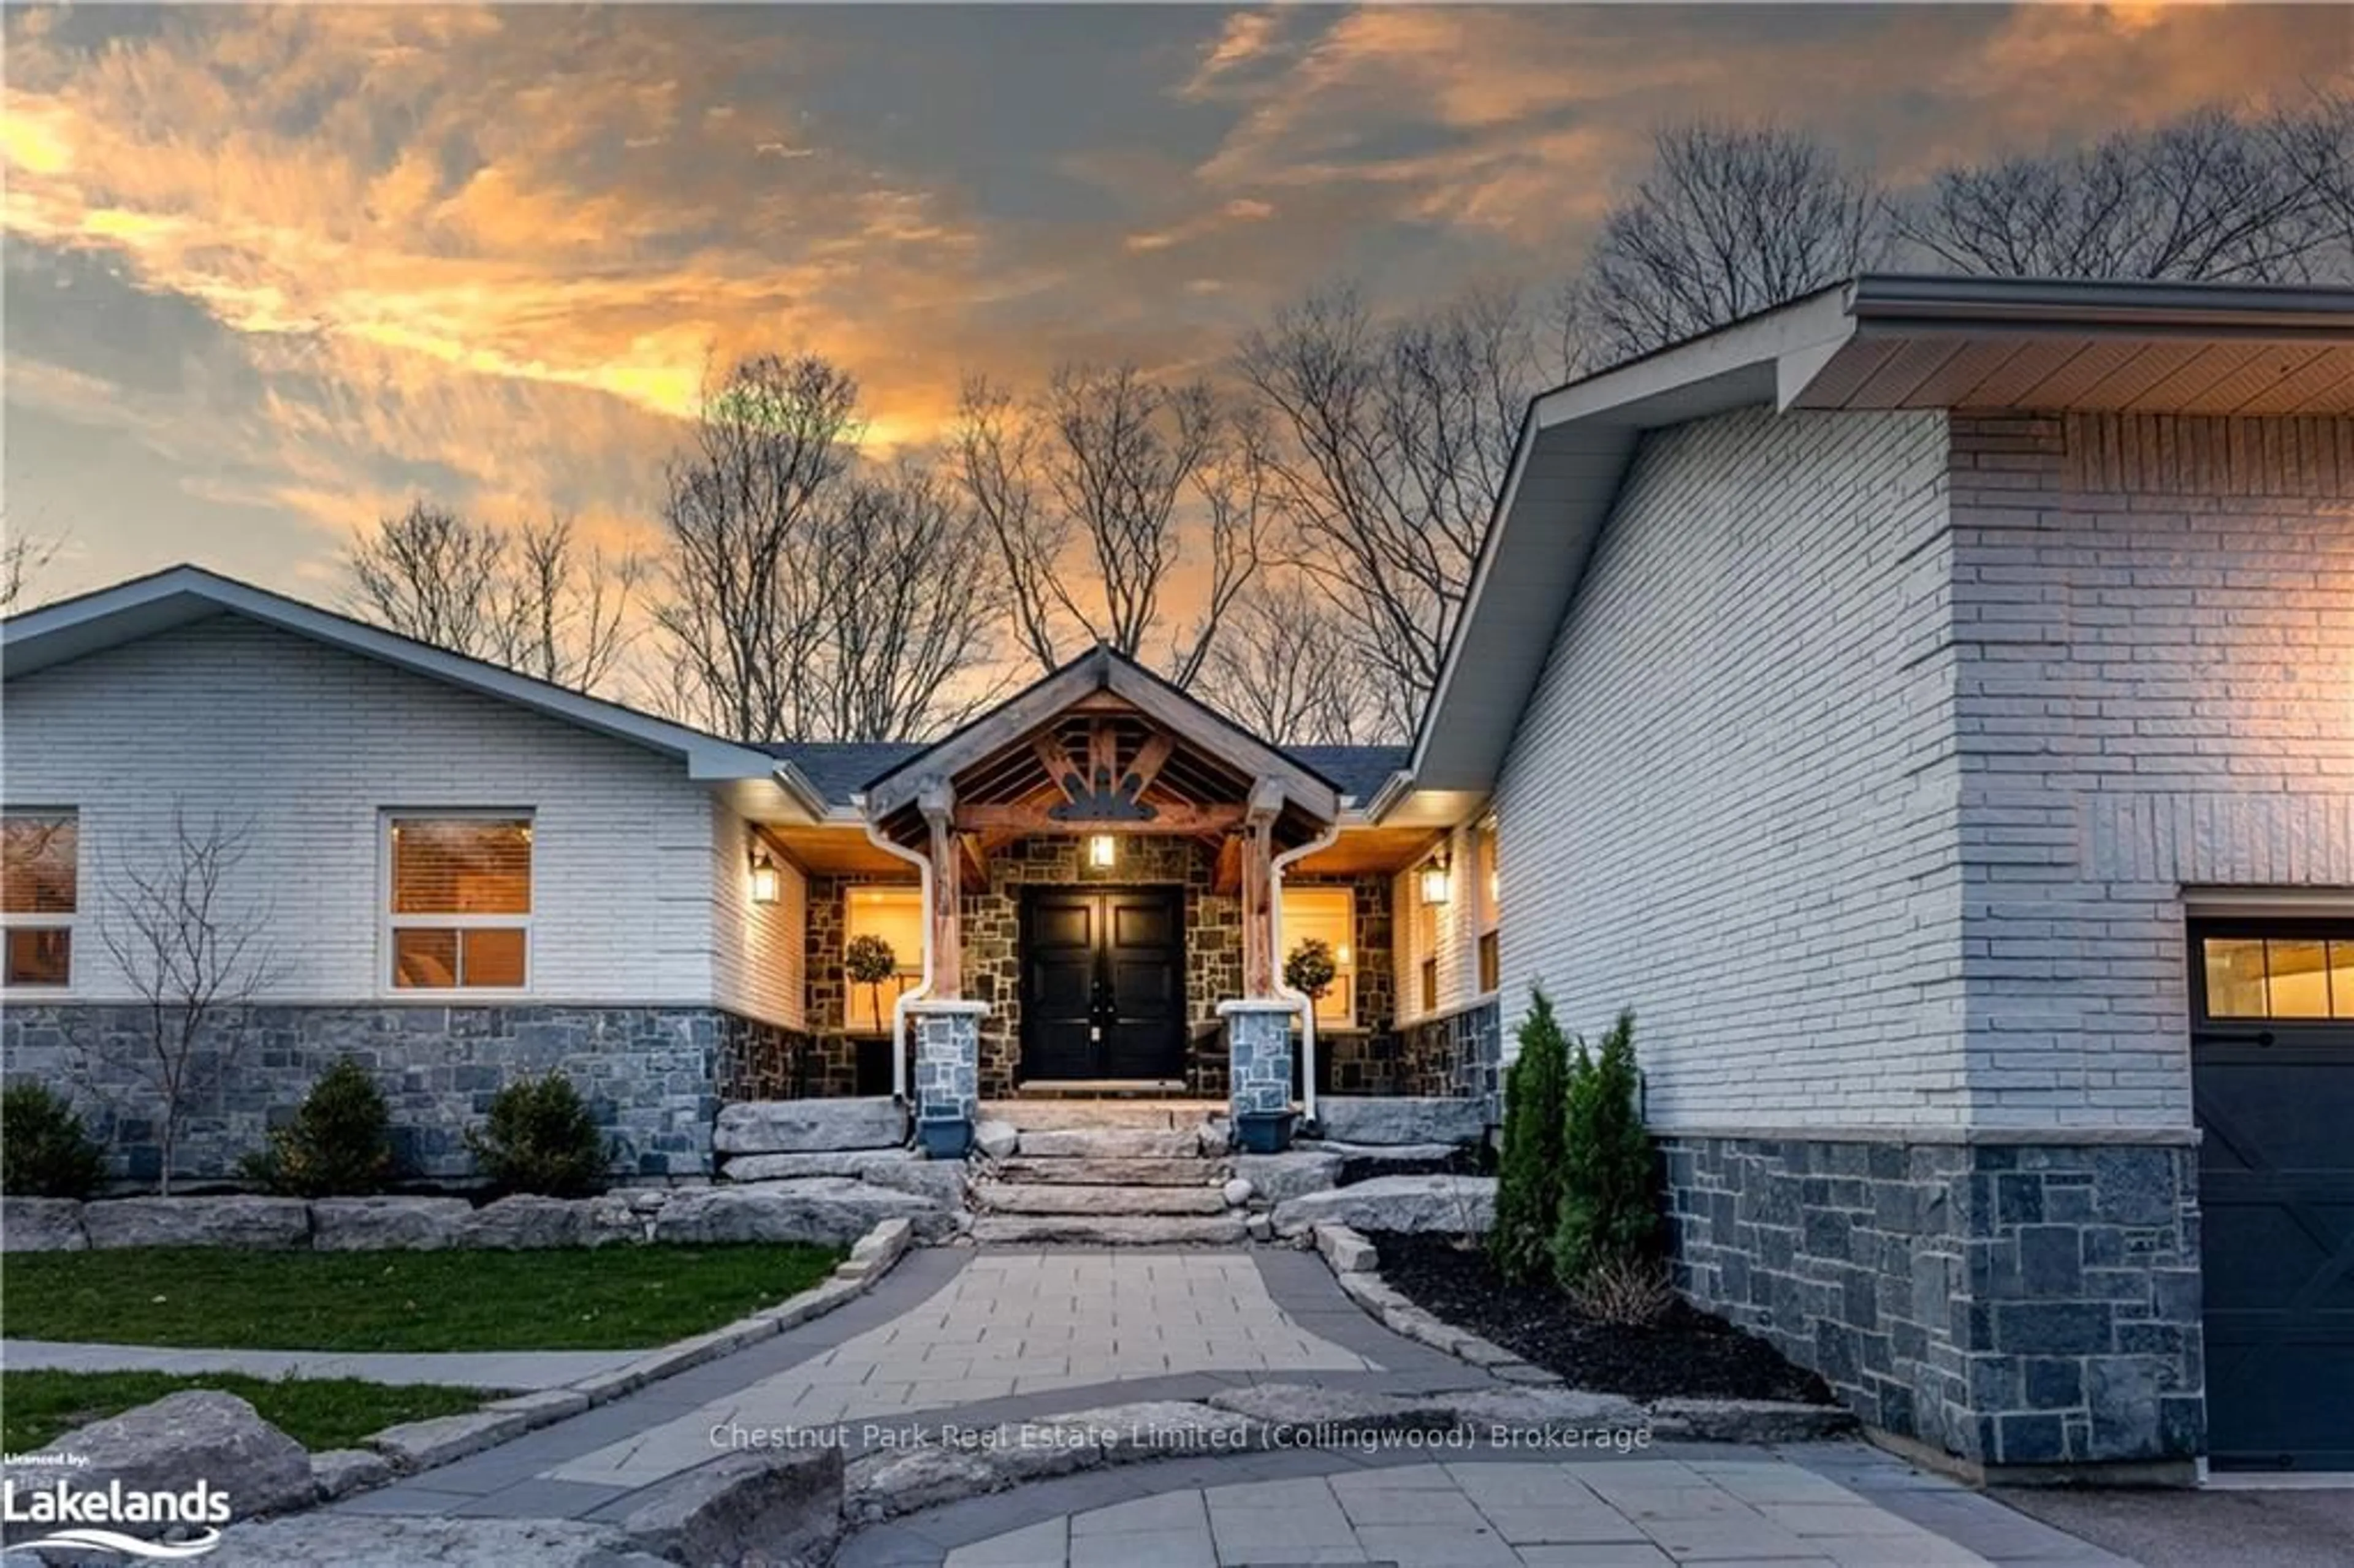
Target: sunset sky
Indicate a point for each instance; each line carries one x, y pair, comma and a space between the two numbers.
272, 271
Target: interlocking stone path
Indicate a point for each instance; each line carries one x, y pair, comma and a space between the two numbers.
1646, 1514
1010, 1323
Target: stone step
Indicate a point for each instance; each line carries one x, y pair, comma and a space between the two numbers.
1106, 1230
1189, 1172
1017, 1198
1042, 1113
1109, 1143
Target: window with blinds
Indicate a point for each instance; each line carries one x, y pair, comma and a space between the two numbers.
459, 902
40, 853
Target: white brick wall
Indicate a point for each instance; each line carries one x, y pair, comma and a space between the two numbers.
2154, 623
312, 744
1731, 802
756, 948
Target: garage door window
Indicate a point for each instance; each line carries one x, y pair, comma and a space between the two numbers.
2278, 977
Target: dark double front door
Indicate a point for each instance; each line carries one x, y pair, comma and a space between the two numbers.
1103, 984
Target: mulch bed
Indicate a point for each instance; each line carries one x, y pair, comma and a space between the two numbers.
1688, 1354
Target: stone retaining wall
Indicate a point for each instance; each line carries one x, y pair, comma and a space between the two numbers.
2014, 1305
649, 1073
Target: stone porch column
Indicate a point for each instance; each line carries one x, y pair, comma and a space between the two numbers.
1258, 1066
947, 1069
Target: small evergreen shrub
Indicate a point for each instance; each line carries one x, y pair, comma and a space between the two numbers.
45, 1151
339, 1144
1609, 1202
539, 1138
1528, 1170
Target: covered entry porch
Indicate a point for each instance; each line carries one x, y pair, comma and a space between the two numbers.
1100, 861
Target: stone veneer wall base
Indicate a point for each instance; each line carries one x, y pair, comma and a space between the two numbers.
649, 1073
2025, 1308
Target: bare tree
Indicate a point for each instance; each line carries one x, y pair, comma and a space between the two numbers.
909, 578
1394, 441
2214, 196
564, 613
23, 557
1092, 493
193, 951
744, 509
1287, 668
1730, 221
534, 600
809, 596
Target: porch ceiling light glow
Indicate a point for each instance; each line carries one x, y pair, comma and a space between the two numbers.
1103, 850
767, 881
1434, 881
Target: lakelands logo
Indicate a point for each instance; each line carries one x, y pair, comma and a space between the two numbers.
86, 1513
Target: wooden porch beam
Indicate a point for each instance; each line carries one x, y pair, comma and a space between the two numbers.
1032, 819
1058, 765
1258, 888
937, 803
1147, 764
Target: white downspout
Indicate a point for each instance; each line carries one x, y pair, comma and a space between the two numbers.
1307, 1004
923, 865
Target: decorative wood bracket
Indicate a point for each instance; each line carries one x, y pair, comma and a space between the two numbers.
1100, 791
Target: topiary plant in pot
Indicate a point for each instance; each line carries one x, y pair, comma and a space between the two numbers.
868, 960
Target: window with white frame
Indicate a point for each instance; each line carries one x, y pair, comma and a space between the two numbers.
459, 900
1484, 890
39, 896
896, 917
1328, 914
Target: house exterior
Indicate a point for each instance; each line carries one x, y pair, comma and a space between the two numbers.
462, 876
1923, 703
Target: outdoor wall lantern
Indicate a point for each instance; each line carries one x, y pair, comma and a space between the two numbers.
1434, 881
767, 880
1103, 851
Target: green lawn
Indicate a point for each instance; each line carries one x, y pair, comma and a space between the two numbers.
571, 1299
318, 1413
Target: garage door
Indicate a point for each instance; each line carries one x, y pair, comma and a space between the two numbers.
2273, 1081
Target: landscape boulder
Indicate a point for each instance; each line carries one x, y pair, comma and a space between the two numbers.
394, 1541
941, 1181
1453, 1205
365, 1225
828, 1210
166, 1446
526, 1223
1276, 1177
798, 1166
1397, 1119
264, 1223
998, 1140
41, 1224
809, 1127
777, 1505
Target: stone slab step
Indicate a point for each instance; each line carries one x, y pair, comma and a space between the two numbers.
1014, 1198
1044, 1113
1106, 1230
1189, 1172
1109, 1143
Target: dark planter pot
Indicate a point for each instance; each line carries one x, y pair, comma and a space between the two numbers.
1264, 1132
946, 1138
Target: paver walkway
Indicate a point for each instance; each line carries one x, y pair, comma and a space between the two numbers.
976, 1340
513, 1371
1010, 1323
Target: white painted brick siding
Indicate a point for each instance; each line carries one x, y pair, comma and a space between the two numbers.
756, 948
1731, 802
2154, 623
312, 744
